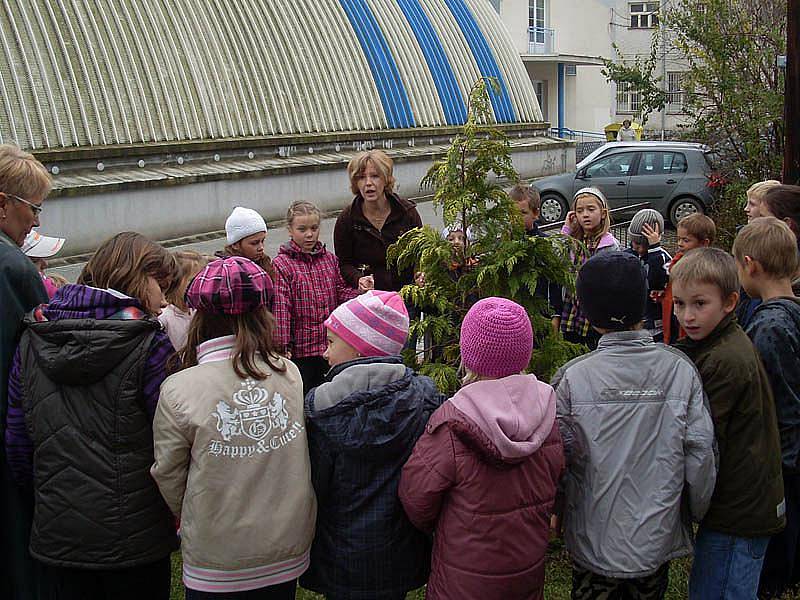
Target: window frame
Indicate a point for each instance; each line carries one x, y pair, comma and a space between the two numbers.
663, 172
676, 96
648, 12
629, 101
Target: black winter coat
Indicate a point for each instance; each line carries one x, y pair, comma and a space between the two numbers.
362, 426
96, 504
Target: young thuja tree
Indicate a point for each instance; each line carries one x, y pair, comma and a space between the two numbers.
498, 260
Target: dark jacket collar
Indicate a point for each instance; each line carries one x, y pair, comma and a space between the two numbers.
399, 208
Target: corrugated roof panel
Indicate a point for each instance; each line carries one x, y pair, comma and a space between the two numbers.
108, 72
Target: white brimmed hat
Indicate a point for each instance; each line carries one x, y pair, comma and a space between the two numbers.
37, 245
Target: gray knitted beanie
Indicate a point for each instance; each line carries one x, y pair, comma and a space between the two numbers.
645, 216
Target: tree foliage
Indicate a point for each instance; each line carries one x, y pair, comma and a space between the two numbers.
639, 73
499, 259
733, 90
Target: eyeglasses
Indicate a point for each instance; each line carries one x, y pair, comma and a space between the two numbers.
35, 208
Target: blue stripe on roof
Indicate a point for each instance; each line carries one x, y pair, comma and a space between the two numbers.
381, 62
455, 109
501, 103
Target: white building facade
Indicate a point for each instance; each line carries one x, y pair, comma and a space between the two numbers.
633, 28
562, 44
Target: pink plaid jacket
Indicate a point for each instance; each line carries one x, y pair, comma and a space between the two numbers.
308, 286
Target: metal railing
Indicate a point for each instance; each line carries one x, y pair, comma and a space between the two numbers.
541, 40
578, 135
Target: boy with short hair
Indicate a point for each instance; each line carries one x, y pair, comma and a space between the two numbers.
639, 443
694, 231
529, 202
766, 258
748, 506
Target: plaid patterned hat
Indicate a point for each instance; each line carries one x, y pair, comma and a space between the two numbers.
230, 286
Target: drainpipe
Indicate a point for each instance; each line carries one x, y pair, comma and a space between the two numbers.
561, 124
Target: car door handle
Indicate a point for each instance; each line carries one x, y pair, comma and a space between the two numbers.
621, 183
671, 181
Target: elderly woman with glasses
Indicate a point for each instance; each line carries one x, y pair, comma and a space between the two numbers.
24, 184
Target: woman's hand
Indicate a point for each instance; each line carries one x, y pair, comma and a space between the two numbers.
419, 278
366, 283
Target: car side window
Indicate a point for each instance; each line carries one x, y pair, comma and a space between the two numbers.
616, 165
661, 163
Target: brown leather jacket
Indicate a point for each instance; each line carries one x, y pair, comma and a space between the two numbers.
357, 242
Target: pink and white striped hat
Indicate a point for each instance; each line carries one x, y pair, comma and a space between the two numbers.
374, 323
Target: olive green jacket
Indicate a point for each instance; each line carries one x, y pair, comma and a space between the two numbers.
748, 497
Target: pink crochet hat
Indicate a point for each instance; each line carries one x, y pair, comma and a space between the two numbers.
496, 338
375, 323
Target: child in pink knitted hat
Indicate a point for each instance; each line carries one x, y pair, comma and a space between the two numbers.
362, 424
484, 474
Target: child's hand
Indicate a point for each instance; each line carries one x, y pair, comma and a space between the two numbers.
419, 278
656, 295
572, 219
652, 234
366, 283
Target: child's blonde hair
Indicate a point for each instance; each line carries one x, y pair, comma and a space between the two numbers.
58, 280
577, 231
699, 226
301, 207
707, 265
378, 159
771, 243
189, 264
760, 188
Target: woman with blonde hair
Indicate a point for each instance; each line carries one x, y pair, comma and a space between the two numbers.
372, 222
24, 184
83, 390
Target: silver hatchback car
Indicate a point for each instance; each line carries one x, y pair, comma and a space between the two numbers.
672, 176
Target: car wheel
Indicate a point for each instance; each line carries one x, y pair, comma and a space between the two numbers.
683, 207
554, 208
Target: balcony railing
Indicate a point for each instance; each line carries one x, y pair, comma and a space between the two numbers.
541, 40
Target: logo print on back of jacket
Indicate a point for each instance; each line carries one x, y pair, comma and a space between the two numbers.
256, 416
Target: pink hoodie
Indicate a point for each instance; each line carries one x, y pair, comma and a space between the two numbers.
484, 477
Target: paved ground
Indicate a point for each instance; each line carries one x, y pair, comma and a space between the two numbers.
277, 235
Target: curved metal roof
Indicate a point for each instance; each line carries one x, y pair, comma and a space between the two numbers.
77, 73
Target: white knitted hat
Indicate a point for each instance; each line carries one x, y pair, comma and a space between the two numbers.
243, 222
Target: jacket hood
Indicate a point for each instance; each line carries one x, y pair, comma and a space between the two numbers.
372, 406
515, 415
79, 344
292, 250
84, 302
780, 308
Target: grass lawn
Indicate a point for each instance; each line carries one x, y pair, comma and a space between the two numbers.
557, 586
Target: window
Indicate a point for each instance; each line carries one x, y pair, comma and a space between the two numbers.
661, 163
675, 93
644, 15
629, 100
536, 20
616, 165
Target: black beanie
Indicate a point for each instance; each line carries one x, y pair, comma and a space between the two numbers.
612, 290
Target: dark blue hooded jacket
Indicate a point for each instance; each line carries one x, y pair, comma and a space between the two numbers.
362, 425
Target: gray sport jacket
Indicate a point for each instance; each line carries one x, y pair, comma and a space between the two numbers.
639, 444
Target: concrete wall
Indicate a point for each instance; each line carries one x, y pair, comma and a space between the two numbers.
177, 211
